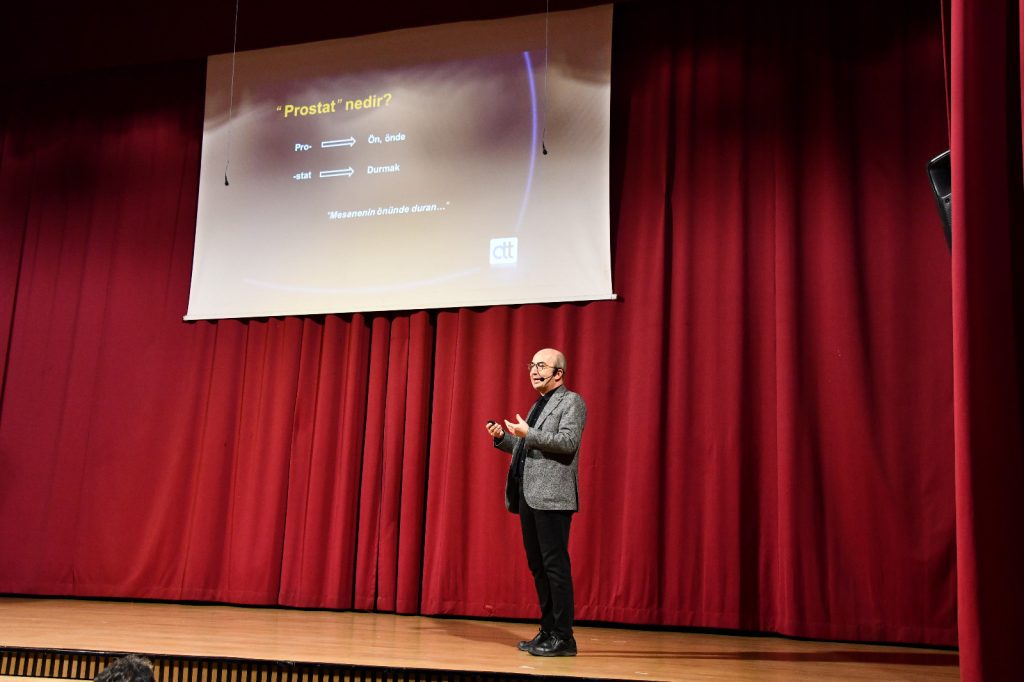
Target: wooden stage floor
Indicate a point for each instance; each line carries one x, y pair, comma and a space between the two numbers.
416, 642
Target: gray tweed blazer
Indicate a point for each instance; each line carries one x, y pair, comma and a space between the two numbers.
552, 462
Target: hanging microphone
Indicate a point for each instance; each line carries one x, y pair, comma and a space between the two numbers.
231, 94
547, 50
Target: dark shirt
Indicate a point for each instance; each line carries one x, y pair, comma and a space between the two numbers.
519, 453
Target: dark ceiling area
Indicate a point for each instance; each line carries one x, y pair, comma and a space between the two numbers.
44, 40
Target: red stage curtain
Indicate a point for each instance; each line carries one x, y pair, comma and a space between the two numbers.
988, 317
770, 436
770, 444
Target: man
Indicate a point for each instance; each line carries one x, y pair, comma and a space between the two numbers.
542, 488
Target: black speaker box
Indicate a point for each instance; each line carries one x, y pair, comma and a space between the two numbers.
940, 175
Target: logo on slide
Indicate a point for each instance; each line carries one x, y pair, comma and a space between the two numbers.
504, 250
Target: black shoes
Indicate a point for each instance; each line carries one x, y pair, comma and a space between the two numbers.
555, 646
528, 644
548, 644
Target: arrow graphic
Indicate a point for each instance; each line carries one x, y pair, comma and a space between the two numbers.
347, 142
347, 172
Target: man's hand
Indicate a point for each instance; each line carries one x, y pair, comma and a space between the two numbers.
494, 429
519, 428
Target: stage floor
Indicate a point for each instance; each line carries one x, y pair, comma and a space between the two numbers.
416, 642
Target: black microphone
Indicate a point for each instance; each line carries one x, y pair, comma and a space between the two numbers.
552, 375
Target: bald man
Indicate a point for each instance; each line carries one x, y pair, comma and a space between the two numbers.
542, 488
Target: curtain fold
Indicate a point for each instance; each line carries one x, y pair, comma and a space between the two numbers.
988, 319
13, 217
770, 435
323, 502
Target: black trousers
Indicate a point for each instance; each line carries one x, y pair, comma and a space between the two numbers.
546, 539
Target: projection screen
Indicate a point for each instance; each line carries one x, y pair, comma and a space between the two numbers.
407, 170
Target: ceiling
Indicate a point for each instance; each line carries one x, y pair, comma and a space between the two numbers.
43, 40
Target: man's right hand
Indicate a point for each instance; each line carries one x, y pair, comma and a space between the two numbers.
495, 430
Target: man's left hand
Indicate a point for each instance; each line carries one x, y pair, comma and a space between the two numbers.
519, 428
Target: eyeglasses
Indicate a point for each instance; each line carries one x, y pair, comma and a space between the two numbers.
540, 366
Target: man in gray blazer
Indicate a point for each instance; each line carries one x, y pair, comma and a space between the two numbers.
542, 488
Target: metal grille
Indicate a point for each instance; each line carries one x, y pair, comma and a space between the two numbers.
85, 665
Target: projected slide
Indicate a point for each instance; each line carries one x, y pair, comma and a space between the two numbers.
406, 170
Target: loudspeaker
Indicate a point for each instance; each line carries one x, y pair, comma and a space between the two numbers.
941, 176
